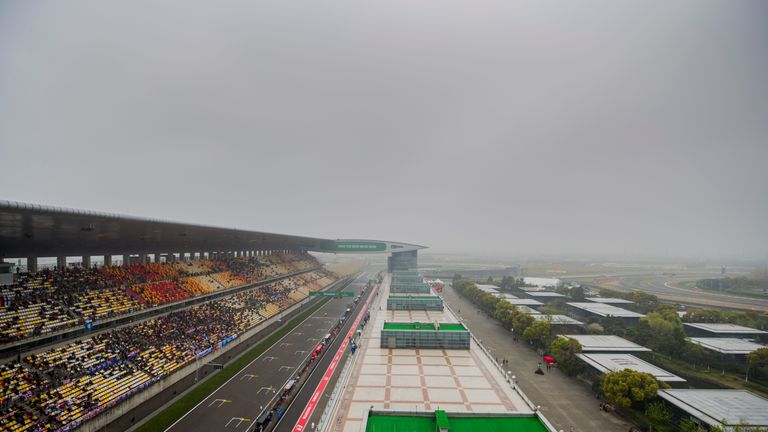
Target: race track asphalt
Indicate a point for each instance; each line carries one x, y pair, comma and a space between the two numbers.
237, 403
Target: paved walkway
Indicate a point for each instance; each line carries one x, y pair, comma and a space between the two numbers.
420, 379
566, 402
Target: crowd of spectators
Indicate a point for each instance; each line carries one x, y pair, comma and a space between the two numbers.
55, 299
60, 388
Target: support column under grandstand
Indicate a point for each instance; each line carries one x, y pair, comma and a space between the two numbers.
32, 264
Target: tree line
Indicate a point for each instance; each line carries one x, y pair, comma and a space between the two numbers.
661, 329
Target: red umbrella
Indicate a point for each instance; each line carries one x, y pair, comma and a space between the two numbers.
548, 359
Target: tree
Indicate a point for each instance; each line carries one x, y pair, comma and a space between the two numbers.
520, 322
703, 316
577, 293
505, 311
658, 414
626, 387
694, 354
564, 351
662, 331
614, 326
688, 426
755, 358
538, 333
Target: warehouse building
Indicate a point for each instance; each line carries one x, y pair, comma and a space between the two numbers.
732, 347
723, 409
722, 330
606, 344
588, 310
601, 363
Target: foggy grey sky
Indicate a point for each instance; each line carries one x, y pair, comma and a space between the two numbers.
560, 127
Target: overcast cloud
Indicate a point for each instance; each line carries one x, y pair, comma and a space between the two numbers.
561, 127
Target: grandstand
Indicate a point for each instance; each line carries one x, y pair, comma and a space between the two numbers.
64, 386
54, 299
79, 339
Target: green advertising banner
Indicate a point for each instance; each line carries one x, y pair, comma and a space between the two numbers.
360, 246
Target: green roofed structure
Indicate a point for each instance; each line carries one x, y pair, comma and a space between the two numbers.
414, 302
425, 326
425, 335
440, 421
409, 288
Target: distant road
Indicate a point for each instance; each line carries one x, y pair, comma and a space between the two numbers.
664, 287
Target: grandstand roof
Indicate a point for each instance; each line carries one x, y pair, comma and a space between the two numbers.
32, 230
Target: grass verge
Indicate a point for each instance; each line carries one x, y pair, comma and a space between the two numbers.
170, 414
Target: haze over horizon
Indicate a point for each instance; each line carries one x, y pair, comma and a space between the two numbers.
594, 128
